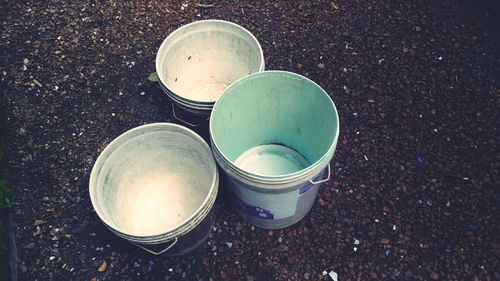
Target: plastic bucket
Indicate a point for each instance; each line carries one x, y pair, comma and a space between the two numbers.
155, 186
196, 62
273, 134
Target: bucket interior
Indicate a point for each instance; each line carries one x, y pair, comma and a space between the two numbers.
274, 123
199, 60
150, 182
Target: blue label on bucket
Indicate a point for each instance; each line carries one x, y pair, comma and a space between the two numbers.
253, 210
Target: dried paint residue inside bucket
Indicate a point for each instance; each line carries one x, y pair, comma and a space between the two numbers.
271, 160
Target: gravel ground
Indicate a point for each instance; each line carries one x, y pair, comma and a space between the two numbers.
414, 195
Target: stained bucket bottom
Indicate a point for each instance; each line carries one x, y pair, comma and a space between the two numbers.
271, 160
156, 202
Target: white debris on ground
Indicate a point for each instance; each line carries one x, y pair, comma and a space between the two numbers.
333, 275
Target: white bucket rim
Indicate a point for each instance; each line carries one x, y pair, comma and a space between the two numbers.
186, 103
201, 22
270, 183
275, 178
179, 230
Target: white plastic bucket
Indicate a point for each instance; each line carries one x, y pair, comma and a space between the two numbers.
196, 62
273, 134
155, 186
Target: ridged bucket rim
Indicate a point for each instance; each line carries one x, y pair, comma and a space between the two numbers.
266, 182
202, 22
184, 226
273, 179
186, 103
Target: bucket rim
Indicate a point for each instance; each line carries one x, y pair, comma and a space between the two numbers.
176, 231
203, 22
182, 100
265, 182
274, 178
179, 100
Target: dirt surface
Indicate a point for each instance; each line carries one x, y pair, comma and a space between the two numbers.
414, 194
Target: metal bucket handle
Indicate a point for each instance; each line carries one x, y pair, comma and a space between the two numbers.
153, 252
323, 180
182, 120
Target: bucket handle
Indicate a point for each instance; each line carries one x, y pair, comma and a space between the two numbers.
182, 120
153, 252
323, 180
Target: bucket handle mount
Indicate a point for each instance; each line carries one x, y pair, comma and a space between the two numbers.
153, 252
323, 180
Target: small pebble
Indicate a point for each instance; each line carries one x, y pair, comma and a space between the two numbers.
282, 248
420, 160
238, 226
333, 275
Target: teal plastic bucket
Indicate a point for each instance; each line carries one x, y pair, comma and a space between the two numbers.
273, 134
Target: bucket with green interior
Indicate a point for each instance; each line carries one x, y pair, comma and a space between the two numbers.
273, 133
